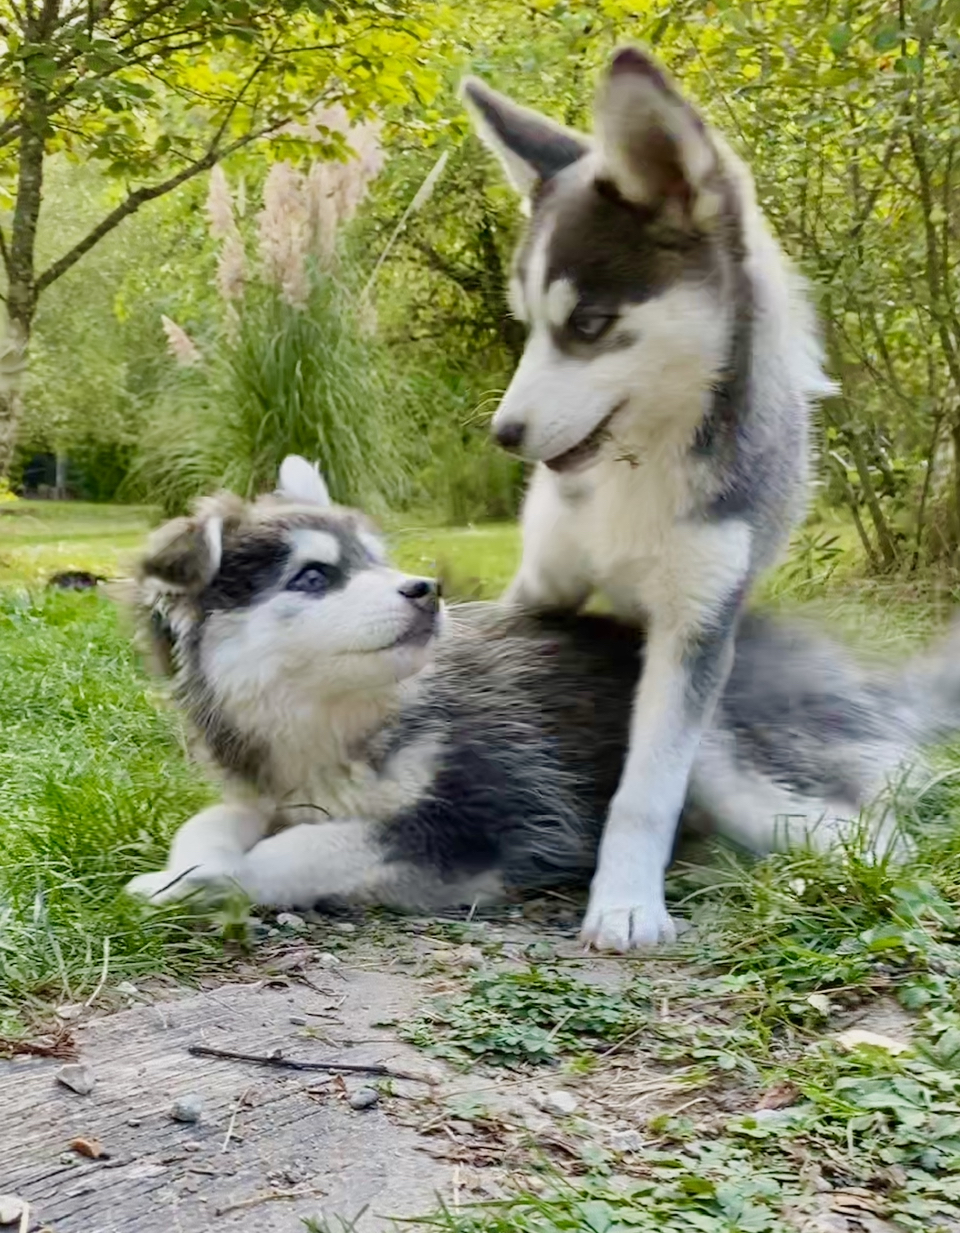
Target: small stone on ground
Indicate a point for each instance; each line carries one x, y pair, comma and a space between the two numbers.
363, 1098
560, 1103
187, 1109
11, 1208
77, 1077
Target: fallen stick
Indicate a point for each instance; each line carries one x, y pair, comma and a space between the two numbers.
233, 1118
289, 1063
270, 1196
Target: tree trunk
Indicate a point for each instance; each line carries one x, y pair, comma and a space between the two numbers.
60, 482
13, 358
20, 261
885, 540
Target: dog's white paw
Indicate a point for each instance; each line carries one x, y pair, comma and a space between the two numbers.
154, 887
627, 928
169, 885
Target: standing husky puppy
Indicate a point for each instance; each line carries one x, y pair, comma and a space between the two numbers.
664, 393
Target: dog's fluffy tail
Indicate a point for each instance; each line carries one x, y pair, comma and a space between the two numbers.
930, 683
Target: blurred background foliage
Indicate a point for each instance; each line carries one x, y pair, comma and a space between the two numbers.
369, 326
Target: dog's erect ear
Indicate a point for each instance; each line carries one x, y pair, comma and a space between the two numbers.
530, 147
302, 481
184, 555
655, 148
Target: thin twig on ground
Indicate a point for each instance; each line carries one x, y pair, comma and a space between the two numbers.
269, 1196
289, 1063
103, 974
241, 1100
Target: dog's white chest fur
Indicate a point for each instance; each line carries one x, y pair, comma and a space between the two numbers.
627, 527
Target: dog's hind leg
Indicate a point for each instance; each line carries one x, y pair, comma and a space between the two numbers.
207, 853
344, 862
762, 815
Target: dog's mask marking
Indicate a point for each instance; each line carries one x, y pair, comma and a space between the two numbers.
252, 564
560, 301
319, 564
310, 545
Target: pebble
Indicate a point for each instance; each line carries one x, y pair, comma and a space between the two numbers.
128, 989
134, 1121
345, 926
626, 1141
11, 1208
187, 1108
77, 1077
560, 1103
363, 1098
290, 920
327, 960
298, 1020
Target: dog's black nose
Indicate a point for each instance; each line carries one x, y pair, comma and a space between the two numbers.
509, 435
423, 592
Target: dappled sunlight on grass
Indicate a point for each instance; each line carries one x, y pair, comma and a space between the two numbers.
40, 538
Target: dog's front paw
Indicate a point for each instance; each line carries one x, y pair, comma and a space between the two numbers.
150, 886
624, 928
206, 882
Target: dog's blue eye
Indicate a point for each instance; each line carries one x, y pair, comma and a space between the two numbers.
588, 324
313, 579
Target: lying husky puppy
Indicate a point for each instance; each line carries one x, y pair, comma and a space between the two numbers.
378, 750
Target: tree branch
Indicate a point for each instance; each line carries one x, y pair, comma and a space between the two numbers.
466, 279
141, 196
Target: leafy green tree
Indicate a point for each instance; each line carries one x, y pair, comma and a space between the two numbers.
157, 93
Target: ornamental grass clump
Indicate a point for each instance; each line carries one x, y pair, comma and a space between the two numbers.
288, 361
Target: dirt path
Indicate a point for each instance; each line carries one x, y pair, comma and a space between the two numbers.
273, 1147
293, 1134
296, 1147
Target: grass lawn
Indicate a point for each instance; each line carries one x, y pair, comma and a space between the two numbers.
94, 778
39, 538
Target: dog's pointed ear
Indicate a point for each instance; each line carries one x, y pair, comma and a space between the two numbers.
654, 146
302, 481
530, 147
184, 555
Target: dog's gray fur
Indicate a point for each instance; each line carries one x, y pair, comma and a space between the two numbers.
664, 394
374, 751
